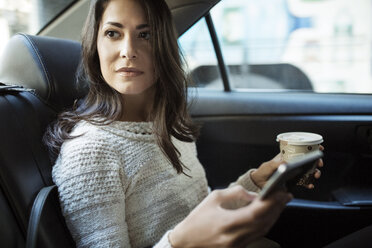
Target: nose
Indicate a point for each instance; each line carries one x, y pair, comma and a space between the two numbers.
128, 49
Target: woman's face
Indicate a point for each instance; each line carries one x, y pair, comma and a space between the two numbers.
124, 48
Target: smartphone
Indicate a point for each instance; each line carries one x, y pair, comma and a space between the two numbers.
287, 175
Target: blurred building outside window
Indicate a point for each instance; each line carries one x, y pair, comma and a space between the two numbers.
28, 16
329, 41
14, 17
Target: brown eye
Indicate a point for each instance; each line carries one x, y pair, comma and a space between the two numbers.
112, 34
144, 35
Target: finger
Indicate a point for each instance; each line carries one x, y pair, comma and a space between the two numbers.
317, 173
233, 196
274, 202
320, 163
310, 186
261, 214
249, 233
276, 161
278, 158
321, 147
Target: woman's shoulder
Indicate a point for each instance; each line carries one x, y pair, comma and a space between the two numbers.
86, 136
89, 151
87, 129
89, 144
189, 147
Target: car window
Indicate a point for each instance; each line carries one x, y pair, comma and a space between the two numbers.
197, 48
28, 16
314, 45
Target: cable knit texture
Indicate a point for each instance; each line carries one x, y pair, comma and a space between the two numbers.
117, 189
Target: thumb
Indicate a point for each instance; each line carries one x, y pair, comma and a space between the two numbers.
235, 197
276, 161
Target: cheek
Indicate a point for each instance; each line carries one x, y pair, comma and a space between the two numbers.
104, 60
150, 63
151, 77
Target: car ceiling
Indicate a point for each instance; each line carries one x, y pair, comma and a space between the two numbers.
187, 12
69, 24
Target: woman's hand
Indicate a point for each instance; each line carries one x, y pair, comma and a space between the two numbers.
264, 172
317, 172
211, 224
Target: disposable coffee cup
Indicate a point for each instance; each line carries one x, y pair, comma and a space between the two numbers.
295, 144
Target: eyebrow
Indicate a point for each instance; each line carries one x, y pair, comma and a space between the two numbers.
119, 25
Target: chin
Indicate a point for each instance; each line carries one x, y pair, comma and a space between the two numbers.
134, 90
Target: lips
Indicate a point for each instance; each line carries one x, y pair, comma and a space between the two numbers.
129, 72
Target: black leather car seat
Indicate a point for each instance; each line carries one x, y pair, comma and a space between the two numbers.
47, 66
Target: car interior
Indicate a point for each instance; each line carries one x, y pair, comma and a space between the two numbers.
40, 77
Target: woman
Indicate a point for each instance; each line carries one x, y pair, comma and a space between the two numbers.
127, 170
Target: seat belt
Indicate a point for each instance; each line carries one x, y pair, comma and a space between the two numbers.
36, 103
7, 95
43, 199
36, 213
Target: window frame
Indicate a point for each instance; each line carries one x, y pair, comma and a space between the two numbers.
223, 69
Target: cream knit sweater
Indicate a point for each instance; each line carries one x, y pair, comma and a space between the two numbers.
117, 189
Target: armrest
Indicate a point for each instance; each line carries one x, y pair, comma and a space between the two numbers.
319, 205
318, 223
354, 196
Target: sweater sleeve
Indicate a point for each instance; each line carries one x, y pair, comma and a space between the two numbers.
91, 191
246, 181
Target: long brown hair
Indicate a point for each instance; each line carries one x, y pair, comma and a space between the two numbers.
169, 112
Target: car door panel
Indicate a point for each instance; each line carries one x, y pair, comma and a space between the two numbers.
245, 125
238, 132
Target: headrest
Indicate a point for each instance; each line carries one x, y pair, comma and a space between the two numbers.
46, 64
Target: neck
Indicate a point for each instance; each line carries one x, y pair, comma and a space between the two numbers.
138, 107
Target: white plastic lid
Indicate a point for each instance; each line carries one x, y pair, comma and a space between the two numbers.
300, 138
